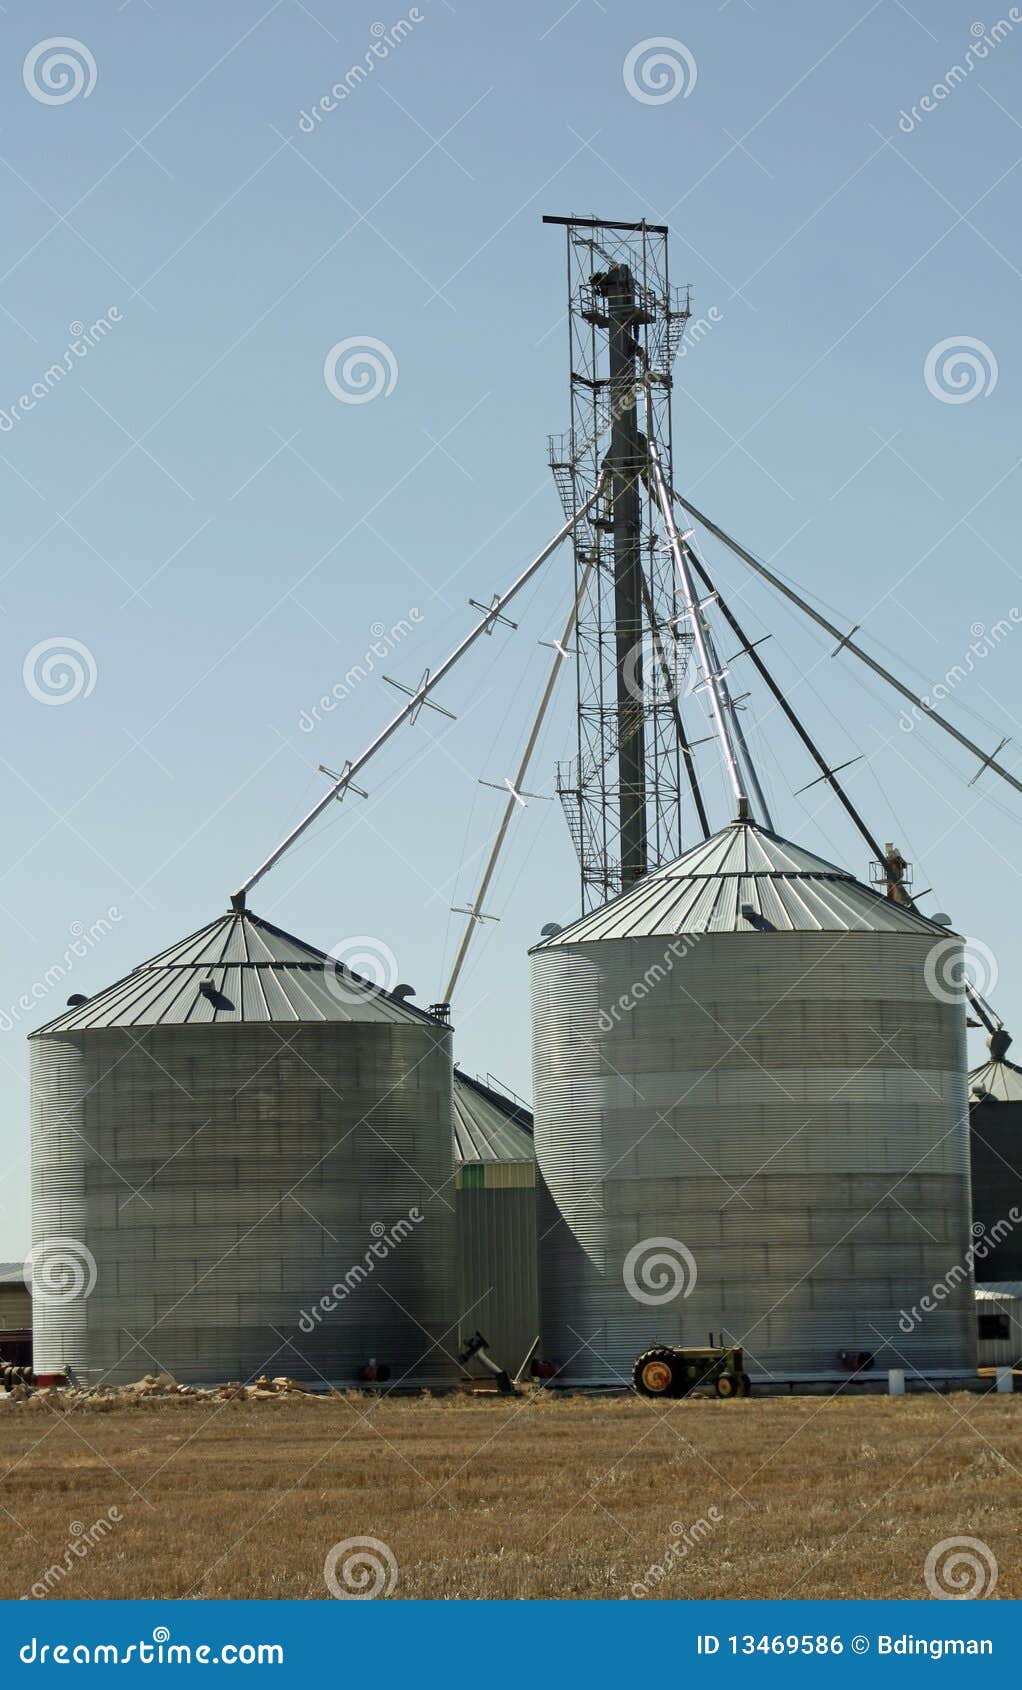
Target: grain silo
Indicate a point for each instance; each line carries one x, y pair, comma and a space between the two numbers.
242, 1162
496, 1203
995, 1139
750, 1116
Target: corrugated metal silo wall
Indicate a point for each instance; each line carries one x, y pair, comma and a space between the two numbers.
498, 1292
995, 1145
749, 1105
228, 1179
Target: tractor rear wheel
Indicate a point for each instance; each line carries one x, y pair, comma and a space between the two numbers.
659, 1373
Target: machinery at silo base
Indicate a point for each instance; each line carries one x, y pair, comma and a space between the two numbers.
668, 1370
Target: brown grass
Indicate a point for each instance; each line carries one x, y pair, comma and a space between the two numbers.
542, 1497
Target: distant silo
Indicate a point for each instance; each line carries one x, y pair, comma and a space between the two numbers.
245, 1154
496, 1203
742, 1057
995, 1138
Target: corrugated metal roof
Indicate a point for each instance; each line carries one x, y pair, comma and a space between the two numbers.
1001, 1290
1003, 1080
252, 971
705, 889
489, 1127
12, 1273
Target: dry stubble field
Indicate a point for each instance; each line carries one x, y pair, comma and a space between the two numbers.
541, 1497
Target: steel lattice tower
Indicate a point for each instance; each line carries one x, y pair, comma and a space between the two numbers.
621, 793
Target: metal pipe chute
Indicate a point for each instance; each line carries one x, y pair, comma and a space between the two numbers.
416, 700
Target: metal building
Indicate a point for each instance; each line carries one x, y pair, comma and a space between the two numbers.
244, 1153
496, 1203
750, 1117
15, 1315
995, 1142
999, 1323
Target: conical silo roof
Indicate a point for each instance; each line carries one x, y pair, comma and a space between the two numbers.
236, 969
1000, 1080
489, 1127
741, 879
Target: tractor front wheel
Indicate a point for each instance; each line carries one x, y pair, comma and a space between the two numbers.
726, 1385
744, 1385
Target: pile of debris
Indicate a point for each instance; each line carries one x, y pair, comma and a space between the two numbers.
20, 1386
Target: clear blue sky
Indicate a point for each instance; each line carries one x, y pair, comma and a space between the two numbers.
191, 504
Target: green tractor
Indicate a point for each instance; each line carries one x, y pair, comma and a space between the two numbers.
669, 1371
